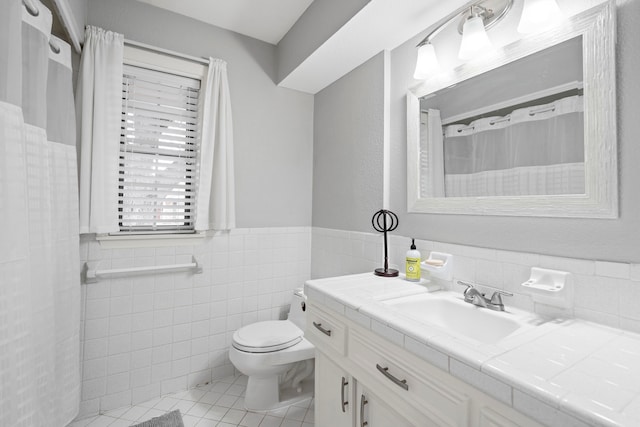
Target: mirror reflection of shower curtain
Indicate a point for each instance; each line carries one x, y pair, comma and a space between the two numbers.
536, 150
431, 154
39, 251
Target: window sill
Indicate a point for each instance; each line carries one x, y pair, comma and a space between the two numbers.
149, 240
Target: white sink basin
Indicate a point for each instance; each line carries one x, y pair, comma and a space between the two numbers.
450, 312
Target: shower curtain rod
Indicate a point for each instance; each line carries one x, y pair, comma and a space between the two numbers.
166, 52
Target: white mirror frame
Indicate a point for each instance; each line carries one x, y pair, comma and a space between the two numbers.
597, 28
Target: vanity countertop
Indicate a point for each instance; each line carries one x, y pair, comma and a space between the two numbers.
561, 372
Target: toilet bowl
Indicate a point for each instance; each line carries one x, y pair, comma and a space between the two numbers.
276, 358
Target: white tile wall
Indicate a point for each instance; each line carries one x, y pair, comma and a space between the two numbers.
604, 292
149, 335
153, 334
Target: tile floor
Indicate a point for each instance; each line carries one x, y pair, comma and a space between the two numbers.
217, 404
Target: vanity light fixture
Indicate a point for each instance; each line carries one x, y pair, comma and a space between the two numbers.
475, 40
473, 22
538, 15
427, 63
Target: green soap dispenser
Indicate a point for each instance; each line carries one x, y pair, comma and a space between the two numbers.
413, 263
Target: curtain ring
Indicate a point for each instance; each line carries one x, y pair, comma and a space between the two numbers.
54, 47
31, 8
533, 113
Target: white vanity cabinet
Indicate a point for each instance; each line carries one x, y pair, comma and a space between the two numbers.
363, 379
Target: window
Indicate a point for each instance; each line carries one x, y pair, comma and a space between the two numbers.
159, 146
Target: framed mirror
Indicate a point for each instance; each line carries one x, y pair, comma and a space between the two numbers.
530, 131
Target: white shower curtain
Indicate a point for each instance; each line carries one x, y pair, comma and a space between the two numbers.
39, 271
431, 154
531, 151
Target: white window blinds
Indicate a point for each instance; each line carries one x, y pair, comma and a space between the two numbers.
158, 151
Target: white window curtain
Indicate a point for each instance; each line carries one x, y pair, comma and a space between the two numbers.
40, 285
216, 189
533, 150
99, 107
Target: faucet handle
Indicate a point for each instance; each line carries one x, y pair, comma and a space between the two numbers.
496, 298
468, 285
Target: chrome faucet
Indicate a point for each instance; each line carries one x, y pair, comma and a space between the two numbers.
475, 297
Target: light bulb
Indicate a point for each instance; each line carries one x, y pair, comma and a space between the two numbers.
474, 39
538, 15
427, 63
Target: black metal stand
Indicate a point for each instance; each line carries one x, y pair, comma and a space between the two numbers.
380, 224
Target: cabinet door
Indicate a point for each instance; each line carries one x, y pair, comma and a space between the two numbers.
334, 392
373, 412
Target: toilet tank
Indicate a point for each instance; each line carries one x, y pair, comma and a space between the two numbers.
297, 313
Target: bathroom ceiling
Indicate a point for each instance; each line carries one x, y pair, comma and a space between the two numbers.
380, 25
266, 20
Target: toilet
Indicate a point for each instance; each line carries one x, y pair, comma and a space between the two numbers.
276, 358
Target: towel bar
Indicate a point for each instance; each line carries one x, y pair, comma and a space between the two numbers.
93, 275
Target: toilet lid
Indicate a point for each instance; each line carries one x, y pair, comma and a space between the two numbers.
264, 337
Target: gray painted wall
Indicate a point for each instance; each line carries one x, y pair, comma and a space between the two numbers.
615, 240
348, 146
273, 127
319, 22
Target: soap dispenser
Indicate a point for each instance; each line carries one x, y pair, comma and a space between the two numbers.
413, 263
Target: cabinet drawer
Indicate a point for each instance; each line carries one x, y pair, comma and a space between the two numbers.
491, 415
442, 404
323, 330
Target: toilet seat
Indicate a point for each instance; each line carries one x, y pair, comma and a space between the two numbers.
267, 336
